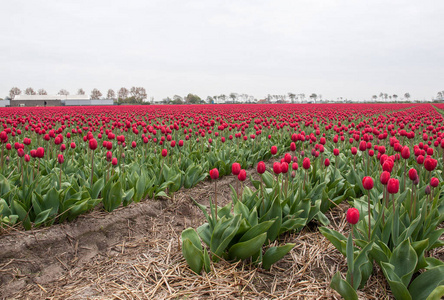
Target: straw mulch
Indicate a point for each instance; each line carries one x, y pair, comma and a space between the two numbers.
153, 268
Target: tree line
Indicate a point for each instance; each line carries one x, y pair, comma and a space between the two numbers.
124, 95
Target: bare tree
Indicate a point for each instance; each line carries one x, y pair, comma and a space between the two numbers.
42, 92
292, 96
14, 92
374, 97
111, 94
122, 94
63, 92
314, 96
395, 97
139, 93
30, 91
233, 97
407, 96
80, 92
96, 94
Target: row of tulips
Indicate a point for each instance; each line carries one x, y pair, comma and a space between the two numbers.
395, 224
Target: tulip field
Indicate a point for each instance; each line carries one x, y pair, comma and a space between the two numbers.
377, 167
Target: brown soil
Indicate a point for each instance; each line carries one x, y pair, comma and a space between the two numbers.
134, 253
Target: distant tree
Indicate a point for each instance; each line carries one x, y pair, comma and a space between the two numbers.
302, 97
292, 96
96, 94
440, 95
210, 99
15, 91
63, 92
381, 95
42, 92
80, 92
30, 91
110, 94
395, 97
223, 97
122, 94
192, 99
407, 96
233, 97
314, 96
385, 96
177, 99
374, 97
139, 93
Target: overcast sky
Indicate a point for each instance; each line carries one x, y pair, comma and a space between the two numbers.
351, 49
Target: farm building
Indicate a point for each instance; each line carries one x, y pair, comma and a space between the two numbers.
57, 100
5, 103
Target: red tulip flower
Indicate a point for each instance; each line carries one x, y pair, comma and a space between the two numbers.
235, 168
393, 186
273, 150
413, 174
242, 176
352, 215
261, 167
434, 182
306, 163
93, 144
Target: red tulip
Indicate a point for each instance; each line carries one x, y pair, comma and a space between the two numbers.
354, 151
430, 164
327, 162
261, 167
276, 168
284, 168
235, 168
164, 152
405, 152
40, 152
306, 163
393, 186
385, 176
367, 182
273, 150
242, 175
60, 158
434, 182
413, 174
214, 173
93, 144
352, 215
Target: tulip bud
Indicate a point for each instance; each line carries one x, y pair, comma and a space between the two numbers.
242, 175
235, 168
214, 173
367, 182
393, 186
352, 215
261, 167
